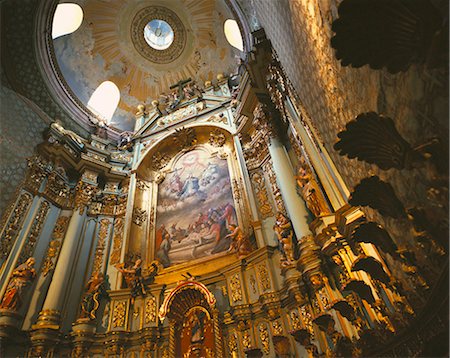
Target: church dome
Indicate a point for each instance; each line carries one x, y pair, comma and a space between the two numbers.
142, 48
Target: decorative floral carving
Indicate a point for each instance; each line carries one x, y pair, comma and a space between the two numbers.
150, 310
57, 189
253, 283
54, 245
235, 287
141, 185
264, 336
84, 192
14, 224
295, 320
236, 190
35, 231
151, 223
99, 250
185, 138
160, 160
264, 278
277, 328
264, 205
38, 169
232, 342
139, 216
217, 138
268, 168
119, 314
247, 340
117, 241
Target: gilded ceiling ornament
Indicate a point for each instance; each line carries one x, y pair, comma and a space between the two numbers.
264, 205
160, 160
117, 241
139, 216
264, 278
119, 314
185, 138
217, 138
14, 224
35, 231
264, 336
235, 287
142, 18
150, 310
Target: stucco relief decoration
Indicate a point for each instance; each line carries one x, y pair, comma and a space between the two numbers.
35, 231
217, 138
185, 138
119, 314
195, 212
117, 241
160, 160
235, 288
99, 250
139, 216
161, 13
14, 224
150, 310
264, 205
54, 245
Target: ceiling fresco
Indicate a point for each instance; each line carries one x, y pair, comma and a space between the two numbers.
106, 48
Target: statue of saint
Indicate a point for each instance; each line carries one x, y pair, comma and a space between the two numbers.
21, 277
313, 196
133, 278
286, 238
241, 244
95, 290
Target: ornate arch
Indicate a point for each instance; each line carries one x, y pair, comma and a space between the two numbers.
185, 300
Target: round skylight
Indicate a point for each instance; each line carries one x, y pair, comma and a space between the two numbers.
158, 34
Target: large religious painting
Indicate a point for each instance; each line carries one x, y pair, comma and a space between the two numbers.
194, 210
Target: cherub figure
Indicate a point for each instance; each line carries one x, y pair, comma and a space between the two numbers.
286, 238
133, 278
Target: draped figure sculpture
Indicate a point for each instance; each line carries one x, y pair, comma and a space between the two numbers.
311, 193
21, 277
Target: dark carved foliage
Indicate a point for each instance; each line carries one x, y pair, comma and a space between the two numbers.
373, 138
371, 232
390, 33
379, 195
361, 288
372, 266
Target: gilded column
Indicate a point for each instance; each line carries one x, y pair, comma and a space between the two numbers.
282, 166
49, 317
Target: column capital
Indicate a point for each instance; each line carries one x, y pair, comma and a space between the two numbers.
85, 190
263, 122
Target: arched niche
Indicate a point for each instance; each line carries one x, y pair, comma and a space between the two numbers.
193, 321
192, 178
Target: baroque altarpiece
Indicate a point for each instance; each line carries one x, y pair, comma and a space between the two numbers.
220, 228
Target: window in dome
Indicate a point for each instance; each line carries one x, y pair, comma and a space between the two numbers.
158, 34
104, 100
67, 19
233, 34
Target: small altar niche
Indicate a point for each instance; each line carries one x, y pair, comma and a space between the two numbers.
193, 321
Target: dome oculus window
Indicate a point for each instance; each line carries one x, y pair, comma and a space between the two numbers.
105, 100
158, 34
233, 34
67, 19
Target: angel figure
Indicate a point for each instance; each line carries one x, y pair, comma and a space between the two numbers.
133, 278
241, 244
286, 238
21, 277
313, 196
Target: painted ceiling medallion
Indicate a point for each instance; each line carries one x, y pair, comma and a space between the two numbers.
165, 35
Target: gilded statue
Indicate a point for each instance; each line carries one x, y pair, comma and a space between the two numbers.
286, 239
21, 277
133, 278
95, 291
241, 243
312, 194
